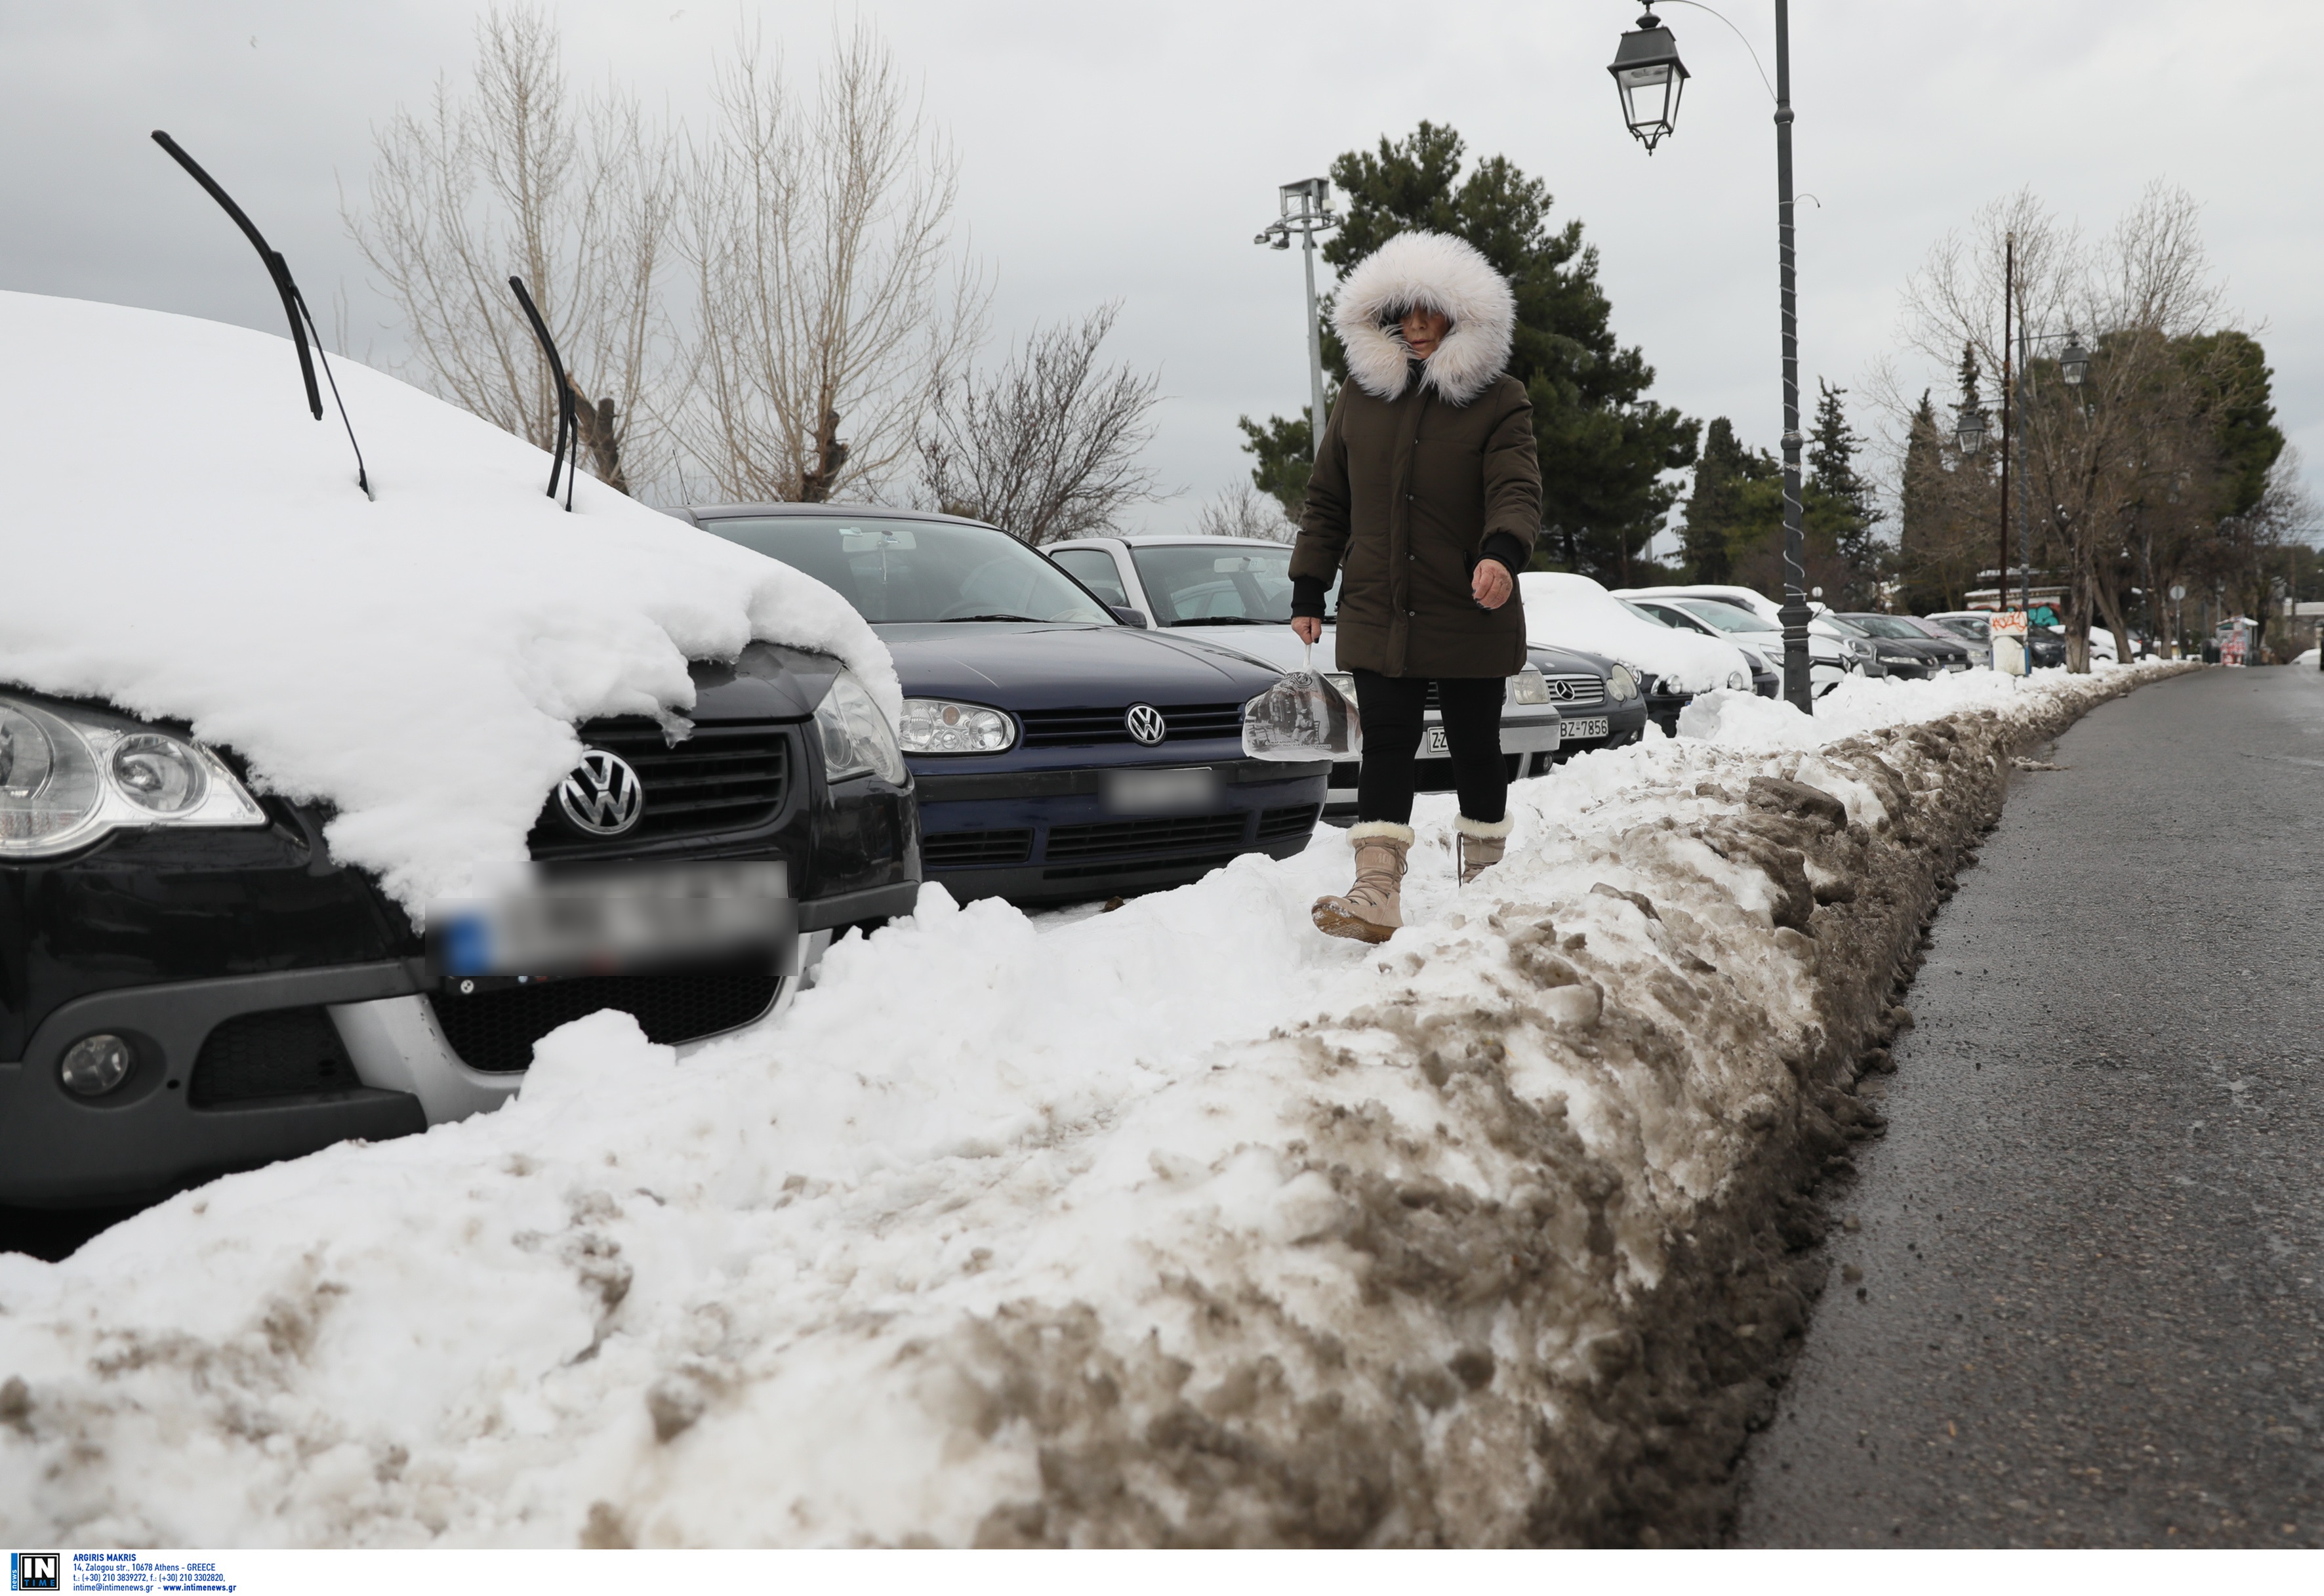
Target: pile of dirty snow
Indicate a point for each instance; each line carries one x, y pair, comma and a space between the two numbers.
186, 541
1178, 1223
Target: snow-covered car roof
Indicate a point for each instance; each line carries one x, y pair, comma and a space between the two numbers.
1569, 611
185, 541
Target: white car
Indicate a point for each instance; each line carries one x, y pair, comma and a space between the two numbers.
1239, 591
1672, 665
1832, 654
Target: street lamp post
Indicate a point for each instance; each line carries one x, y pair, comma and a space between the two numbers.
1306, 210
1650, 78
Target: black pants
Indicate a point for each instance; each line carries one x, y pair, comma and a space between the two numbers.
1392, 706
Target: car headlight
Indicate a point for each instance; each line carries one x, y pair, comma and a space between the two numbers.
938, 725
1344, 682
1528, 687
856, 741
1738, 681
1621, 684
1861, 646
68, 777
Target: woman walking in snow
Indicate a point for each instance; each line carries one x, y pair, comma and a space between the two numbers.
1426, 499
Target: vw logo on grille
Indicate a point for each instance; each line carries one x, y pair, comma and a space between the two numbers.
602, 796
1145, 722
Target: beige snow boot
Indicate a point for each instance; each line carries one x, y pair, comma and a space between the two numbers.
1372, 910
1482, 843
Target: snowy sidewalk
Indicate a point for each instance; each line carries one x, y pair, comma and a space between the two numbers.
1178, 1223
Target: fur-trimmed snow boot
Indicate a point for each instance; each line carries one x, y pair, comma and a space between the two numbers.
1372, 911
1482, 843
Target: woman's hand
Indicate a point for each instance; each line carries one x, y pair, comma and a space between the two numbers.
1307, 629
1492, 585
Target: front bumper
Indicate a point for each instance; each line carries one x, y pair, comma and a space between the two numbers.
1048, 835
375, 1065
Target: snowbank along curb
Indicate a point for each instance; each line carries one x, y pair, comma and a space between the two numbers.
1177, 1225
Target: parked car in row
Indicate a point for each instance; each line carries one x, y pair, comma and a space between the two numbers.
1746, 631
1937, 654
1669, 666
193, 979
1834, 653
2047, 644
1057, 751
1238, 592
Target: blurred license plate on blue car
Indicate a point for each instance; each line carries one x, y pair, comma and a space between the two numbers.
1185, 790
536, 923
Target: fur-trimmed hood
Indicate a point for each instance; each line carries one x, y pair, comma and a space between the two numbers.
1441, 273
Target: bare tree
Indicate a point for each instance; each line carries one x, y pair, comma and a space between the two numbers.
2097, 457
832, 310
1050, 446
1244, 511
519, 175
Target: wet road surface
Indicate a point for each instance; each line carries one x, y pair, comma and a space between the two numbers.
2082, 1303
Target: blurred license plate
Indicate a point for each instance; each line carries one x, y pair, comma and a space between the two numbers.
616, 921
1434, 742
1587, 725
1161, 792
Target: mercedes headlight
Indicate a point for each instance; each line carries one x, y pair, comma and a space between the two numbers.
1738, 682
938, 725
68, 777
1621, 684
1528, 687
856, 741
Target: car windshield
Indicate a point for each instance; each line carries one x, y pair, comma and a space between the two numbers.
1211, 585
1726, 617
1888, 626
1647, 616
919, 571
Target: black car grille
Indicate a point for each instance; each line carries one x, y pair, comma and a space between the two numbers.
1200, 834
279, 1052
1567, 692
495, 1030
1052, 728
1275, 824
726, 777
953, 850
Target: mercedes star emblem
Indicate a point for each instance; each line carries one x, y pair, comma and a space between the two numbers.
602, 796
1145, 724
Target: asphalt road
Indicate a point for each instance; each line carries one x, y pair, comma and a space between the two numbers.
2084, 1301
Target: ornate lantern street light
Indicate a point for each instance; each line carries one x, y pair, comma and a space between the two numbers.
1968, 430
1650, 78
2074, 364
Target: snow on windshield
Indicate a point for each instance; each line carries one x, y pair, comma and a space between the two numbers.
1572, 611
186, 541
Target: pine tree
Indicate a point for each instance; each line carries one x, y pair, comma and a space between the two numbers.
1838, 503
1713, 509
1284, 450
1604, 447
1921, 507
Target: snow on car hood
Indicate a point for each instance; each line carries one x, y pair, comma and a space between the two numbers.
185, 541
1571, 611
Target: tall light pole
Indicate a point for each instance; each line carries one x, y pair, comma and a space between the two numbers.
1650, 78
1306, 210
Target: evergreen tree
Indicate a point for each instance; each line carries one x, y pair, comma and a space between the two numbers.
1838, 503
1284, 450
1714, 510
1604, 446
1921, 510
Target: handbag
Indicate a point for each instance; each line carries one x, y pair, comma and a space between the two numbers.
1301, 719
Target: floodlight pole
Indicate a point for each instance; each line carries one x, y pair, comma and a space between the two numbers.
1315, 344
1305, 211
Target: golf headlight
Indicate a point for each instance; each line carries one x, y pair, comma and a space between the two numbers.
1738, 682
1528, 687
1622, 685
68, 777
856, 741
938, 725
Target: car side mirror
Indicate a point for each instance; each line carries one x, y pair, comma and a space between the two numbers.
1129, 617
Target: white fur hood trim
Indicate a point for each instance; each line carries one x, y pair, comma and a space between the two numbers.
1445, 274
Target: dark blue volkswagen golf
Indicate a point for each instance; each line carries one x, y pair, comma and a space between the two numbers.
1058, 752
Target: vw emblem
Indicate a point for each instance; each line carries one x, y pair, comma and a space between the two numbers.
602, 796
1145, 724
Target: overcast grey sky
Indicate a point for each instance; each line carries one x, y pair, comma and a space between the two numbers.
1131, 153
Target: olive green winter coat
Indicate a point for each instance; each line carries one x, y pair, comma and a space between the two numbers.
1419, 465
